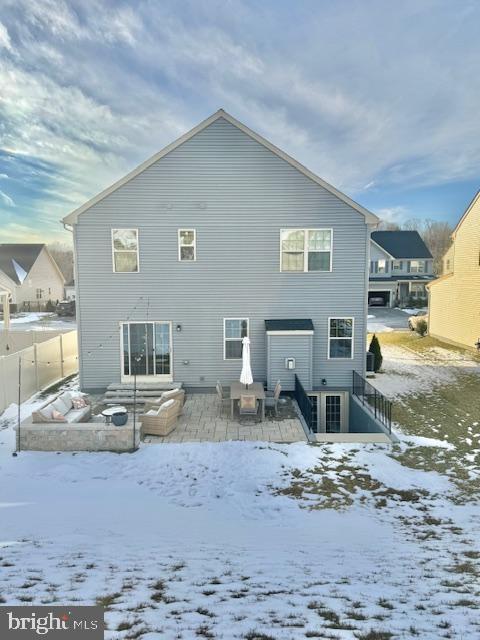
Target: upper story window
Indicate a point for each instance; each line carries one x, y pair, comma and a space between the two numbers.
304, 250
234, 330
340, 338
125, 250
187, 245
417, 266
382, 266
397, 265
39, 294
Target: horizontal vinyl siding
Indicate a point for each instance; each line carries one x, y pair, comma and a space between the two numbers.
454, 313
237, 195
298, 347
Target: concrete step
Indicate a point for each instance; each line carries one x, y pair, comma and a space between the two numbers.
124, 393
144, 386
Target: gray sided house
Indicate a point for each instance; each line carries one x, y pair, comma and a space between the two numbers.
400, 268
218, 236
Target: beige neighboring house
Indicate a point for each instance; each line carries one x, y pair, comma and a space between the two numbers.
454, 314
30, 275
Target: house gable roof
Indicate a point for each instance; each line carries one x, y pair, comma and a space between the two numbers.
13, 256
370, 218
402, 245
475, 198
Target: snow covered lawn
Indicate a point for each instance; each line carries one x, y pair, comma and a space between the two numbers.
242, 540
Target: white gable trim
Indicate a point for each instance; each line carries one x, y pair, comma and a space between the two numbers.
71, 218
384, 250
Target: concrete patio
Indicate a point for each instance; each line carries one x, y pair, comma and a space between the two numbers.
204, 420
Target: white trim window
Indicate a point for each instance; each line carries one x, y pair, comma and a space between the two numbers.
382, 266
417, 266
125, 250
397, 265
234, 330
340, 338
187, 245
305, 250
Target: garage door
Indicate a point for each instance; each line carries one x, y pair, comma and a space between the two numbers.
385, 295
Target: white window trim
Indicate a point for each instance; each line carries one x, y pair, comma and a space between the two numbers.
424, 270
396, 265
335, 338
194, 245
122, 251
384, 266
159, 376
225, 338
305, 250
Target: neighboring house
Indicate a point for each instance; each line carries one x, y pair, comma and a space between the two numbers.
70, 290
400, 268
220, 236
454, 309
31, 276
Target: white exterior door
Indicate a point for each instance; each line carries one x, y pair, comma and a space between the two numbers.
146, 350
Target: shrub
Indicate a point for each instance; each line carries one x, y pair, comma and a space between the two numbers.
49, 306
377, 353
421, 328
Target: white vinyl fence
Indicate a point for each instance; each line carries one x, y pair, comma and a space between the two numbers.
42, 365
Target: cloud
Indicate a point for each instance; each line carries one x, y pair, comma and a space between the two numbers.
5, 42
397, 215
367, 96
6, 199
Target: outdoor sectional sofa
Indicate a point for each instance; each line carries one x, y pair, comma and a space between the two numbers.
63, 403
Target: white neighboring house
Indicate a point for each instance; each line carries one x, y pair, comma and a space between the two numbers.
30, 275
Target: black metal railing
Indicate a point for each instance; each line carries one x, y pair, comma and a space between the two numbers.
304, 402
371, 398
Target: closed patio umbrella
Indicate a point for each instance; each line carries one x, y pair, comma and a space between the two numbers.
246, 377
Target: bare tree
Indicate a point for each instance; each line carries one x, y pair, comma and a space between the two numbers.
438, 238
63, 256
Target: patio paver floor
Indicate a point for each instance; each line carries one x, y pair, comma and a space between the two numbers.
204, 420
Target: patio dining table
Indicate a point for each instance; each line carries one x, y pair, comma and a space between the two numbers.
256, 389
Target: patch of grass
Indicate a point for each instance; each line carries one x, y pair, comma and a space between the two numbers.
204, 631
383, 602
205, 612
375, 635
464, 567
256, 635
108, 600
125, 625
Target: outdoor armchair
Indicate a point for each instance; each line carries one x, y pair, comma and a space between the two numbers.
272, 398
161, 421
175, 394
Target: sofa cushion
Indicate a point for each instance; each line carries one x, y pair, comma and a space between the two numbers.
166, 395
77, 415
47, 412
60, 406
58, 417
166, 405
152, 412
66, 398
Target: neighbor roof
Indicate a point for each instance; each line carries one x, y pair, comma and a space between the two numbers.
13, 256
289, 324
402, 244
370, 218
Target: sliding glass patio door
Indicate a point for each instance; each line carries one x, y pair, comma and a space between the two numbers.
146, 350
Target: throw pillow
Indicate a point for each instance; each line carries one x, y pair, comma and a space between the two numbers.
79, 402
152, 412
58, 417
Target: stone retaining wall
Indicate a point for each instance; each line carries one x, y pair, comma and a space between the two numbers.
81, 436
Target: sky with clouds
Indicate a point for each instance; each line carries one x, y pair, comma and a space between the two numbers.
381, 99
